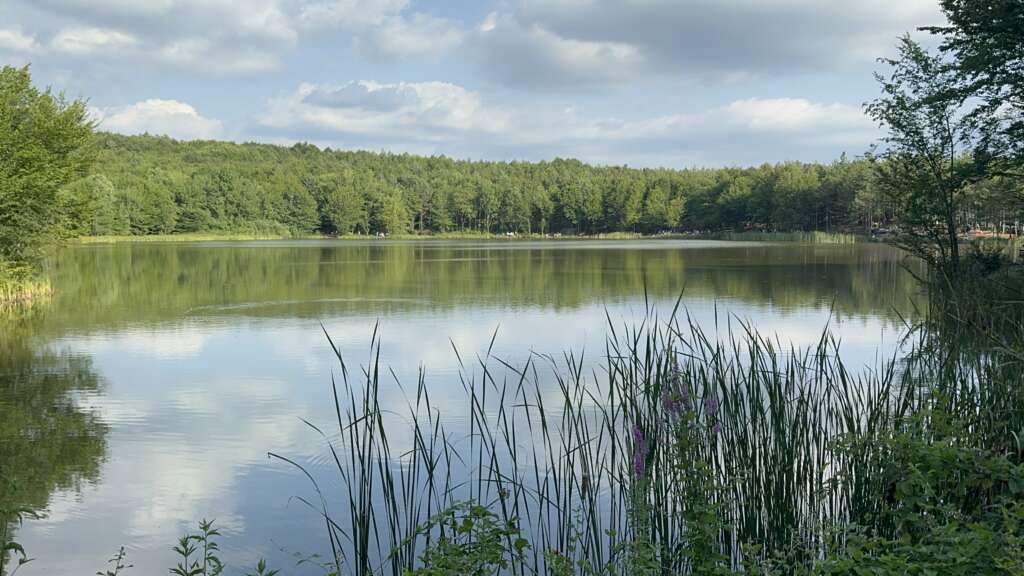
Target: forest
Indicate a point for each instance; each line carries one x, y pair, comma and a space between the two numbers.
144, 185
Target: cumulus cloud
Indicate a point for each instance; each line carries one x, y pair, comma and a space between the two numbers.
89, 41
455, 121
531, 56
423, 111
702, 39
164, 117
17, 41
401, 37
792, 122
198, 54
218, 37
383, 27
226, 37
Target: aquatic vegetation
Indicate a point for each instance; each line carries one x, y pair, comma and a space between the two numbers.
816, 237
18, 291
692, 452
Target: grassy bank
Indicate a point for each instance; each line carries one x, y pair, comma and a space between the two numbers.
20, 291
795, 237
798, 237
197, 237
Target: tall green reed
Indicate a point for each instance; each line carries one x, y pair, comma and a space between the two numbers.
683, 443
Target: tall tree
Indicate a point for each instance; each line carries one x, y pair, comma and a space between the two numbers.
985, 40
924, 167
45, 143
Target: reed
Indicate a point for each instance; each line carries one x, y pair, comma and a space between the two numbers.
687, 447
22, 291
815, 237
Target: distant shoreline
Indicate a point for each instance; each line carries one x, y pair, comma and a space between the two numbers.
794, 237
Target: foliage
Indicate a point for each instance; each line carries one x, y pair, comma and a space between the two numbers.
923, 167
697, 455
950, 507
263, 570
985, 41
199, 553
45, 143
118, 561
471, 540
11, 515
162, 186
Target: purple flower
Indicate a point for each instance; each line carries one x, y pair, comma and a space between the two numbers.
684, 393
711, 404
717, 428
676, 398
669, 401
639, 453
677, 376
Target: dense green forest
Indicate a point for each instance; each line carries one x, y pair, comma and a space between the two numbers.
154, 185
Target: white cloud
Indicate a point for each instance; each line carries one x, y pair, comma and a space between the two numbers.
154, 116
228, 37
350, 14
15, 40
383, 27
200, 54
532, 56
421, 34
88, 41
746, 128
458, 122
431, 111
203, 37
528, 45
796, 115
118, 7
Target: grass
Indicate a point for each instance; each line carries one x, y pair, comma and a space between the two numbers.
681, 432
797, 237
16, 292
190, 237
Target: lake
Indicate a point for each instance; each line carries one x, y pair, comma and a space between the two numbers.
148, 392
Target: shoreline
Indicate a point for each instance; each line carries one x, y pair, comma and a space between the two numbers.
24, 293
786, 237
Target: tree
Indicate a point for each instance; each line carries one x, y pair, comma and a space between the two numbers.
797, 189
342, 207
659, 212
923, 166
45, 143
985, 39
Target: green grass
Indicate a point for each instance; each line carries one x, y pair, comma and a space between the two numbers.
799, 237
191, 237
740, 439
14, 292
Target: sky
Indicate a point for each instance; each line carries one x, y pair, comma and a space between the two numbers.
646, 83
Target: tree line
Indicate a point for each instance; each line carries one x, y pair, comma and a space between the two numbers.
155, 185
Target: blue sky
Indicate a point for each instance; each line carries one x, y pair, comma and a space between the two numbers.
639, 82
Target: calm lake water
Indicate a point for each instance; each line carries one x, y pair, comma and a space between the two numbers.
148, 393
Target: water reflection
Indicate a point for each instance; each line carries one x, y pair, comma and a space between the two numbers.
49, 441
211, 355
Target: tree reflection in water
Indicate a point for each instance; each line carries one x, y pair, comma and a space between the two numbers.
48, 441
